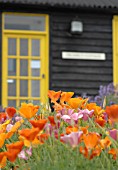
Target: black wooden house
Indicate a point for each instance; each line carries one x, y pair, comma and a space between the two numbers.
68, 45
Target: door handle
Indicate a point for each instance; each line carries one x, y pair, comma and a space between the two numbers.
43, 76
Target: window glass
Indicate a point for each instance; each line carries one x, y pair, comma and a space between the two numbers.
23, 47
24, 88
11, 46
35, 47
35, 91
18, 22
11, 87
23, 67
11, 67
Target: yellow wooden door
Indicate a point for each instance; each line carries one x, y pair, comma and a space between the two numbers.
24, 69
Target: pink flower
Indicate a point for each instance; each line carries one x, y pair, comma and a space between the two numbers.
73, 138
29, 151
22, 155
48, 128
114, 134
9, 127
86, 114
72, 117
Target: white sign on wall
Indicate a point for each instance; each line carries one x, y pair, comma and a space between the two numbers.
83, 55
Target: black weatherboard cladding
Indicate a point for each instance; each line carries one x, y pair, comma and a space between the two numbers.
75, 75
68, 3
81, 75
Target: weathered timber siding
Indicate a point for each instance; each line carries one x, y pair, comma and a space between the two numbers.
1, 58
80, 75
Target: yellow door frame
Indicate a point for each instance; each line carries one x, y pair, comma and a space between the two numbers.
115, 50
45, 47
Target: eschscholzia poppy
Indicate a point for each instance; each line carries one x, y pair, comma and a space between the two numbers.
42, 137
70, 129
73, 138
11, 111
114, 134
3, 159
2, 139
105, 143
14, 129
29, 134
114, 153
65, 97
52, 121
54, 96
28, 110
91, 140
13, 150
3, 117
38, 123
100, 121
97, 109
112, 112
76, 103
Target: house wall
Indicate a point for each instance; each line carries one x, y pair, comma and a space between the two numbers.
80, 75
74, 75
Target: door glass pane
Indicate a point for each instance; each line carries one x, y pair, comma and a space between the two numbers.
35, 68
24, 88
23, 47
11, 87
35, 47
36, 102
11, 46
11, 67
18, 22
12, 103
23, 67
35, 91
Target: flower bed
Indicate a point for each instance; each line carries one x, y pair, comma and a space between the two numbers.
76, 135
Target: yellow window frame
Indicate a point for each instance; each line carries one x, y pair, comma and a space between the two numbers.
115, 50
45, 67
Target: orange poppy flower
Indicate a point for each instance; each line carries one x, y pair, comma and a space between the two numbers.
70, 129
29, 134
95, 152
14, 129
3, 160
2, 139
65, 96
97, 109
54, 96
84, 151
17, 145
3, 116
38, 123
28, 110
11, 111
13, 150
12, 154
43, 137
76, 103
84, 129
57, 106
91, 140
100, 121
105, 143
112, 112
52, 121
114, 153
